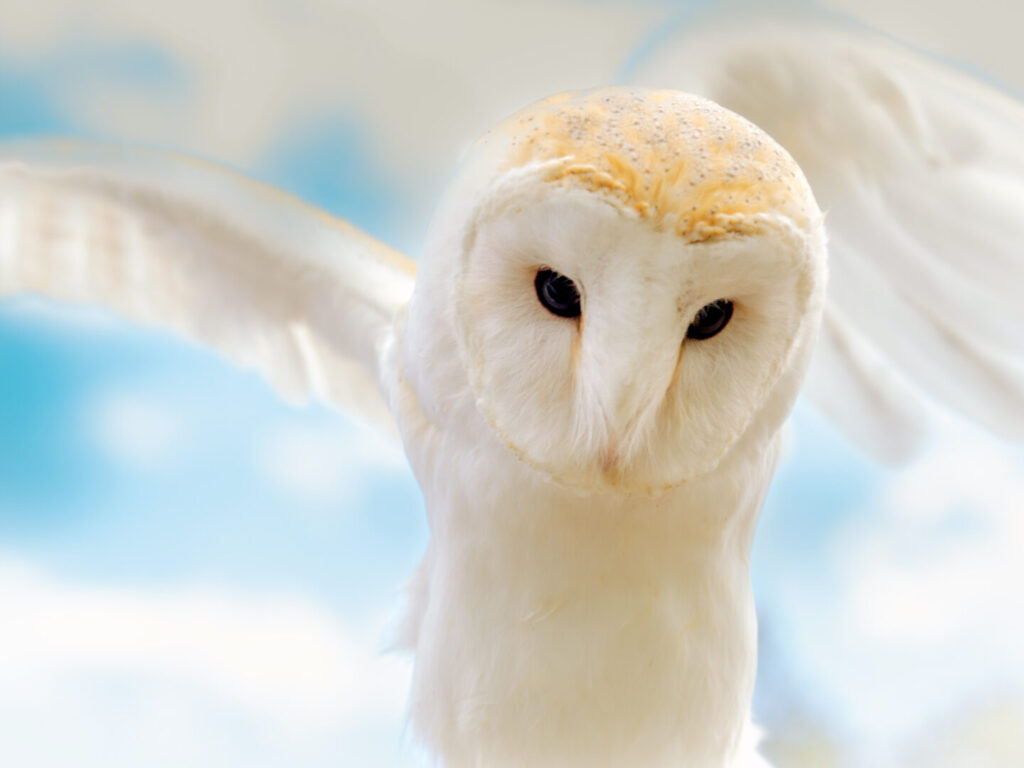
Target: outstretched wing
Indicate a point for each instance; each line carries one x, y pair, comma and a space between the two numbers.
920, 169
265, 279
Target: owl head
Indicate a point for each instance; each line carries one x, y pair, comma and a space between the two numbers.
621, 285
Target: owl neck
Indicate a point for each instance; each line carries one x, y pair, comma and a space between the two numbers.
554, 629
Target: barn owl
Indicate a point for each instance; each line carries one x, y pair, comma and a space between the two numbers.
620, 295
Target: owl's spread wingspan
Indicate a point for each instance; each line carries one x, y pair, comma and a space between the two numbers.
267, 280
920, 169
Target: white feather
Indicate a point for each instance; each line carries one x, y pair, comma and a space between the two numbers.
271, 283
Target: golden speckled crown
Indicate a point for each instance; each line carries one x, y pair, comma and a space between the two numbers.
681, 161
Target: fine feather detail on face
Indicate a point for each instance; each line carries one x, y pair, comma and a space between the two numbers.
620, 396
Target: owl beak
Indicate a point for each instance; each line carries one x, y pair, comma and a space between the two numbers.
634, 397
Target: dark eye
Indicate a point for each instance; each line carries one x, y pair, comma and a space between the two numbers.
557, 293
710, 320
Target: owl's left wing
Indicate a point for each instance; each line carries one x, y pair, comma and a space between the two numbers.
266, 280
920, 170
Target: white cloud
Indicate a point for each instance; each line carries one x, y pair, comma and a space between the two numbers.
987, 735
137, 429
325, 462
944, 569
281, 661
926, 614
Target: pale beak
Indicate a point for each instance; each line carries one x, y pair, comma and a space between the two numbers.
636, 377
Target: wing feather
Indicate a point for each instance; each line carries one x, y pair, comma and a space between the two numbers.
849, 377
273, 284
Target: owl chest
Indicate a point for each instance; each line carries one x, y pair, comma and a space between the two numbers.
577, 643
555, 629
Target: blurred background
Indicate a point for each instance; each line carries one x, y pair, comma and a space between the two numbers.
194, 574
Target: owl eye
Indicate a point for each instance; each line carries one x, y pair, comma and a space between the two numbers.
710, 320
557, 293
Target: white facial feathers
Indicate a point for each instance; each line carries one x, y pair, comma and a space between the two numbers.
619, 398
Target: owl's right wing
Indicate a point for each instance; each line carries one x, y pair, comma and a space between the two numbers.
268, 281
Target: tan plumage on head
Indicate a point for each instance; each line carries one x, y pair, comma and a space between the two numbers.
619, 298
680, 161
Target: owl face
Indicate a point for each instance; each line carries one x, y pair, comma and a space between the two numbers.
622, 328
656, 369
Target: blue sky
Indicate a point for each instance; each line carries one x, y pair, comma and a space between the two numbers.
158, 506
